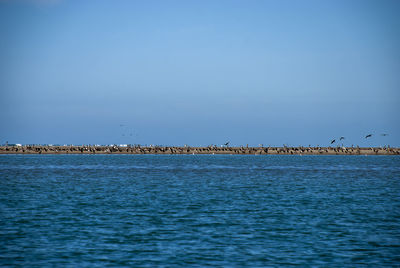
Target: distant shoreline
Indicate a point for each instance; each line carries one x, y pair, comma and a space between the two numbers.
210, 150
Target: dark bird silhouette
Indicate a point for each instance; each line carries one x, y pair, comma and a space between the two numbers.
341, 138
333, 141
368, 136
226, 144
384, 134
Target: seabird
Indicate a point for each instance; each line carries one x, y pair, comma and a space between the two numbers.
226, 144
384, 134
369, 135
341, 138
333, 141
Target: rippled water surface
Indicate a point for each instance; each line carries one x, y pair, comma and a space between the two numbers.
207, 210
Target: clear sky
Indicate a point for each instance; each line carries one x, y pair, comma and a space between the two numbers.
200, 72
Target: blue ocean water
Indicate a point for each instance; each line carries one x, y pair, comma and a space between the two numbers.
199, 210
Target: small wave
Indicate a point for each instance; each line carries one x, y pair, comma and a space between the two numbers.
196, 167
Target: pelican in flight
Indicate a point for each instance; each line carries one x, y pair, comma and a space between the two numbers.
226, 144
368, 136
333, 141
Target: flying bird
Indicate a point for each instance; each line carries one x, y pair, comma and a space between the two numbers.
226, 144
341, 138
333, 141
384, 134
368, 136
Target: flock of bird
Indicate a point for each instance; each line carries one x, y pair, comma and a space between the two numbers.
334, 140
124, 127
367, 136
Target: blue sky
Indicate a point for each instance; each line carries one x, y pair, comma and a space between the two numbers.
200, 72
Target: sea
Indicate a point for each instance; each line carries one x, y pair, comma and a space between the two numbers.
199, 211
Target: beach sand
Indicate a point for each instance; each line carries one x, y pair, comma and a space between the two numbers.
36, 149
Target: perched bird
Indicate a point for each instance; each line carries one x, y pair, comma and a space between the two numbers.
341, 138
333, 141
368, 136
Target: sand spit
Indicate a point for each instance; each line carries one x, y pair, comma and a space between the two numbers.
36, 149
